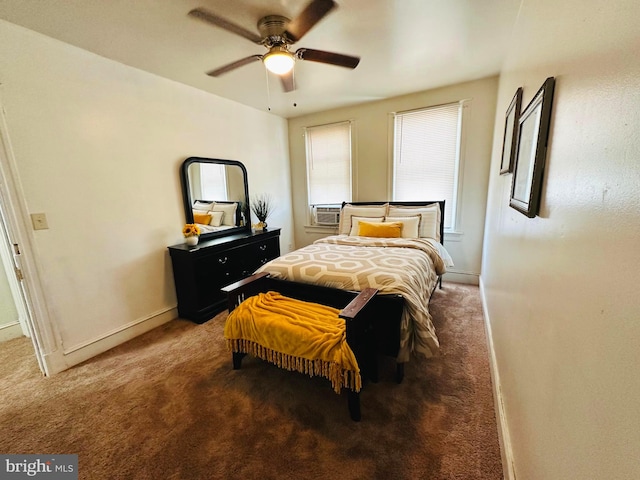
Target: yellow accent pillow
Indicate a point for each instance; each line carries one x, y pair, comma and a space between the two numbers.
355, 223
380, 230
202, 218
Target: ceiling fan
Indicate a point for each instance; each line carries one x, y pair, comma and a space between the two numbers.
277, 33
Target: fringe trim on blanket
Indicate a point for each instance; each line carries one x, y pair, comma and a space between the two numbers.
338, 376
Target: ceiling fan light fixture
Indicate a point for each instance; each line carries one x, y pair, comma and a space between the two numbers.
279, 60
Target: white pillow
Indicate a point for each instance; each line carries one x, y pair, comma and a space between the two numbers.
410, 225
216, 218
355, 223
229, 210
429, 222
372, 211
206, 206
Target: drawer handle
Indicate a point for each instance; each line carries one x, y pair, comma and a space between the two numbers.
222, 260
263, 247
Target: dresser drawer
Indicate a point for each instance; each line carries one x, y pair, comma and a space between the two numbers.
260, 253
228, 265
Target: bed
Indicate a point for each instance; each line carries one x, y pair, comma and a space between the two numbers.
215, 216
405, 267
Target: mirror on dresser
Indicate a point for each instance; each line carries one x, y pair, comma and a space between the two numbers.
215, 194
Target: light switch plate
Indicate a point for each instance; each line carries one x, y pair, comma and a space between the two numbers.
39, 221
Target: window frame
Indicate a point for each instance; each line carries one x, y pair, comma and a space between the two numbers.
351, 181
455, 203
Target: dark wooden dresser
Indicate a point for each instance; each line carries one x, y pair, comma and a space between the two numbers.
200, 272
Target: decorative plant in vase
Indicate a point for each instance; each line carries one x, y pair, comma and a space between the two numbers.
191, 233
262, 207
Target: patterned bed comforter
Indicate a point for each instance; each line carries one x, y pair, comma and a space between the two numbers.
409, 267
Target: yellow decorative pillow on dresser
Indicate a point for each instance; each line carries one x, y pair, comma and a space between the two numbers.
380, 230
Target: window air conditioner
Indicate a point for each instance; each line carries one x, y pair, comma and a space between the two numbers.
327, 215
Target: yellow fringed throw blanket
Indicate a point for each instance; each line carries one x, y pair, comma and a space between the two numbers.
295, 335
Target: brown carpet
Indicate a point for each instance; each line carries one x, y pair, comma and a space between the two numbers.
167, 405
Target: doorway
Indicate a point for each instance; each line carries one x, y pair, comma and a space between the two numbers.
16, 317
12, 310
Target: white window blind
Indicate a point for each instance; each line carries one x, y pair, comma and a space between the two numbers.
426, 156
329, 163
213, 180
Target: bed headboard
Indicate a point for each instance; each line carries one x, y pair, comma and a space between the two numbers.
424, 203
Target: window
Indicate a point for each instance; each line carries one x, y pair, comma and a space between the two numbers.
208, 181
426, 156
329, 163
213, 181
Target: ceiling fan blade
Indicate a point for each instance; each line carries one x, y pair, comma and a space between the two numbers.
331, 58
213, 19
288, 85
231, 66
312, 14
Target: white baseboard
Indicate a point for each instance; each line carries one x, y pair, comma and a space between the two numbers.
10, 331
59, 361
503, 430
459, 276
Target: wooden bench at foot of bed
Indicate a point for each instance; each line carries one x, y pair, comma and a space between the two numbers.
383, 315
357, 322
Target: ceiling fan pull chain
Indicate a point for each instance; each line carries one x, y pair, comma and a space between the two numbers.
266, 74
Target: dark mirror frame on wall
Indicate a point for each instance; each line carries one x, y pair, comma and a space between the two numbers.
188, 200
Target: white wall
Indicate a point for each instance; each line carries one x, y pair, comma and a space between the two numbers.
98, 146
371, 162
561, 289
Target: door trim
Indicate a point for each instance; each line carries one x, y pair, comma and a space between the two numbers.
44, 335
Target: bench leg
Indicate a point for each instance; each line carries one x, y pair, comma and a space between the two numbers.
399, 372
354, 405
237, 360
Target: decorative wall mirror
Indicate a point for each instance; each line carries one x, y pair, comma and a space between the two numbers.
216, 196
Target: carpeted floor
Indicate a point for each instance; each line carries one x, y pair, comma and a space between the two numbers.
167, 405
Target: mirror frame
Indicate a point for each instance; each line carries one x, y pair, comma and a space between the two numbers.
188, 201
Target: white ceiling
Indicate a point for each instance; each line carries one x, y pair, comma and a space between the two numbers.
405, 45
